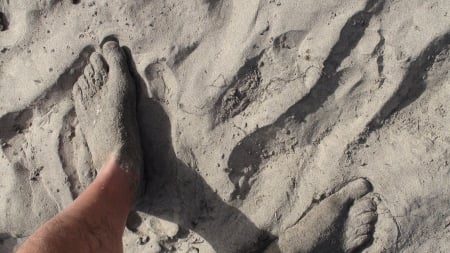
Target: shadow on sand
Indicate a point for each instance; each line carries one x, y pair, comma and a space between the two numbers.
176, 192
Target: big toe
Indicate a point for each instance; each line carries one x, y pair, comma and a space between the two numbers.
115, 56
354, 190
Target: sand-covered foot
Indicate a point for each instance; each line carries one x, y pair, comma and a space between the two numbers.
318, 230
105, 103
360, 225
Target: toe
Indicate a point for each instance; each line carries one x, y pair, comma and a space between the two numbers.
363, 206
114, 56
92, 85
89, 75
81, 86
367, 218
365, 229
78, 95
357, 243
76, 92
98, 62
354, 190
100, 68
89, 71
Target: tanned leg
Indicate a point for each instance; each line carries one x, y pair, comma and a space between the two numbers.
94, 222
105, 103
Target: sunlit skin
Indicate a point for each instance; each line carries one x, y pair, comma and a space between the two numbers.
94, 222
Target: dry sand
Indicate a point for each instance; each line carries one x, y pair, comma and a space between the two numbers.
251, 113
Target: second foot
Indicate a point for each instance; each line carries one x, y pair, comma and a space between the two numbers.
322, 228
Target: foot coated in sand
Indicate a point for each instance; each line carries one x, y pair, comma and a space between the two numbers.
105, 104
330, 219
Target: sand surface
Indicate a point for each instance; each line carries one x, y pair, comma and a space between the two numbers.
251, 112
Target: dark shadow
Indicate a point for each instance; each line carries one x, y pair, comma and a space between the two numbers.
15, 122
213, 4
7, 242
4, 24
177, 193
184, 53
246, 157
413, 84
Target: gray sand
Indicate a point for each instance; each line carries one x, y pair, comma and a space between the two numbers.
252, 116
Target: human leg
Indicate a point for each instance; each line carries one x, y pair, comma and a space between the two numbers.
105, 103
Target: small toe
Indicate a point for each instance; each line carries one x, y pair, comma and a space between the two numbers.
98, 62
365, 229
357, 243
79, 94
89, 71
93, 81
367, 218
89, 76
363, 206
82, 84
76, 91
100, 68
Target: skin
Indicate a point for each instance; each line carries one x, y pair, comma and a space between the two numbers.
94, 222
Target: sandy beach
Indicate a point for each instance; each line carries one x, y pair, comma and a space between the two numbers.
251, 114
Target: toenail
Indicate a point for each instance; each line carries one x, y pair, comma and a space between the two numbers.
111, 45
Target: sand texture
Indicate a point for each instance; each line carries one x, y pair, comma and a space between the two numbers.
252, 115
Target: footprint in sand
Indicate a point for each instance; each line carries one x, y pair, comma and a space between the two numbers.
344, 213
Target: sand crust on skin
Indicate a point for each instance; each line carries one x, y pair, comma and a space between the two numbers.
251, 112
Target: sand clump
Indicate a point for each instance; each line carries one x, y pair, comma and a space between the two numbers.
253, 116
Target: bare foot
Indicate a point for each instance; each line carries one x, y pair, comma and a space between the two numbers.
321, 229
360, 224
105, 103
